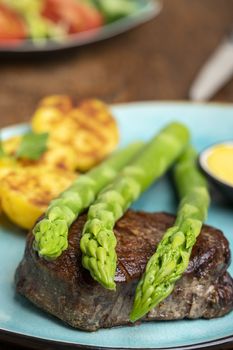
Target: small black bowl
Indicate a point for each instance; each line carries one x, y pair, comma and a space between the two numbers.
224, 186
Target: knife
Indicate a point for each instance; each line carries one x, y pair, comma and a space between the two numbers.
215, 73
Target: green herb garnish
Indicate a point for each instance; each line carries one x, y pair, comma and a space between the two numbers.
32, 145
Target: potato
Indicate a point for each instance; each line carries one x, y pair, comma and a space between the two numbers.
57, 155
89, 129
10, 145
79, 138
61, 102
6, 164
26, 192
50, 112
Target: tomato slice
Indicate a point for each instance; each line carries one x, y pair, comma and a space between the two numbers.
92, 18
74, 16
12, 28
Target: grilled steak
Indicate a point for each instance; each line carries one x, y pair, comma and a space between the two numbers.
66, 290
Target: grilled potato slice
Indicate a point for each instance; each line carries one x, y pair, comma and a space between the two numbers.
50, 112
11, 145
6, 164
79, 137
57, 155
26, 192
89, 129
61, 102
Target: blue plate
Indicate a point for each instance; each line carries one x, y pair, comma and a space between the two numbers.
22, 322
147, 9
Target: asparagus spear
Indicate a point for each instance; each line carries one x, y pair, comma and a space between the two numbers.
51, 233
98, 241
171, 259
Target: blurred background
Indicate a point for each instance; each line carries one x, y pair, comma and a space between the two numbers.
157, 60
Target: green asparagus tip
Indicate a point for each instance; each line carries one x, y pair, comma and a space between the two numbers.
46, 233
134, 315
140, 307
171, 258
108, 284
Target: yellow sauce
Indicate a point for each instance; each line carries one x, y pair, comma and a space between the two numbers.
220, 162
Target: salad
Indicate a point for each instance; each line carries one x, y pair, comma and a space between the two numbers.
40, 20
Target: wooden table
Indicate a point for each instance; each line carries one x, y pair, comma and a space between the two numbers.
157, 61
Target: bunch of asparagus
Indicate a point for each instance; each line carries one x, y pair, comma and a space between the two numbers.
108, 190
98, 241
51, 233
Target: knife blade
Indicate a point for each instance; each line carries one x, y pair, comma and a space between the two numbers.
215, 73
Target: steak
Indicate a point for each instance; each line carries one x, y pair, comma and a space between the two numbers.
65, 289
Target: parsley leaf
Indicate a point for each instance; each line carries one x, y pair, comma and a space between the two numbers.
32, 145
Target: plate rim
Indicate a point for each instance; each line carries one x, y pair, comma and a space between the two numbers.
36, 342
174, 102
28, 340
149, 10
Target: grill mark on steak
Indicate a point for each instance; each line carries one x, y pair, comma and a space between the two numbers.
65, 289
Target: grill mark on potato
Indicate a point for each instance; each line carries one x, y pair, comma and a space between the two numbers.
88, 128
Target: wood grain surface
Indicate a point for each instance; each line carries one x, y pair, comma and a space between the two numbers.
156, 61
